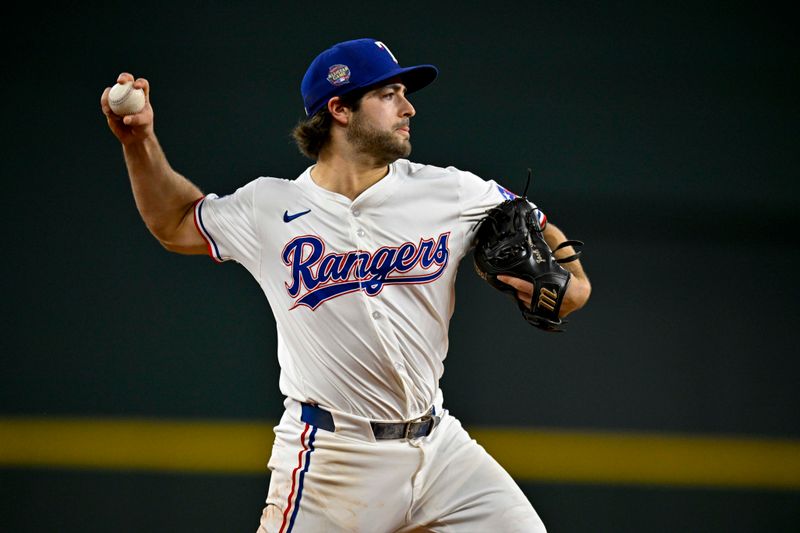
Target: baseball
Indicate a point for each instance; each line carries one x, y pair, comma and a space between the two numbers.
125, 100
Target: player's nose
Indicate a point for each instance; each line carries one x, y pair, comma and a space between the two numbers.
406, 109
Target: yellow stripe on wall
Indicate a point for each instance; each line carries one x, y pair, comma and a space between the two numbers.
642, 458
528, 454
161, 445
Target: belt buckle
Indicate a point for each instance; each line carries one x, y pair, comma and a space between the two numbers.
417, 423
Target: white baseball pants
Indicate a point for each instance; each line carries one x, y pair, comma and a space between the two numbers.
346, 481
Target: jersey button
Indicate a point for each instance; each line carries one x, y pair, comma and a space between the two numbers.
361, 232
376, 315
356, 212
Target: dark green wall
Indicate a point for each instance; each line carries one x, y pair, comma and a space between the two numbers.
665, 137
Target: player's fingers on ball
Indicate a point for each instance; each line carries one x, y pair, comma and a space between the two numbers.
131, 120
104, 101
105, 108
142, 83
124, 77
142, 118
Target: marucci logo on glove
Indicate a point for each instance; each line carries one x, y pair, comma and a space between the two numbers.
548, 299
330, 275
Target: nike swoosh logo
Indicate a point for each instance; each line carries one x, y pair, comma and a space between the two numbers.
288, 218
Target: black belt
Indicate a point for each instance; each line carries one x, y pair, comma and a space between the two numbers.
410, 429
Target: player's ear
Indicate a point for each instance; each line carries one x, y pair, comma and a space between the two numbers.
339, 111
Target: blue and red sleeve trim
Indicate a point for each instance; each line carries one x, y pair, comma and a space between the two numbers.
213, 249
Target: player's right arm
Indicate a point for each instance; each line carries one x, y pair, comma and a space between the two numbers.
164, 198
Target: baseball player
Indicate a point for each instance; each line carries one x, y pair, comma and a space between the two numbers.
357, 257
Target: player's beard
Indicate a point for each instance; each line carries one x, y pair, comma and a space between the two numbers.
385, 146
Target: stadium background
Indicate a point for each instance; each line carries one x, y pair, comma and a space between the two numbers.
138, 388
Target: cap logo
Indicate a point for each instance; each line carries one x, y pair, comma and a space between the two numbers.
339, 75
382, 46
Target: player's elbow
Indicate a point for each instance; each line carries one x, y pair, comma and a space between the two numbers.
179, 242
183, 249
177, 233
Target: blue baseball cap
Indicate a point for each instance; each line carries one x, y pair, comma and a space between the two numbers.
356, 64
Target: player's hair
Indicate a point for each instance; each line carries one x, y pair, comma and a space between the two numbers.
312, 133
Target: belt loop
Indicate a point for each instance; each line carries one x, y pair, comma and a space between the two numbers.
408, 427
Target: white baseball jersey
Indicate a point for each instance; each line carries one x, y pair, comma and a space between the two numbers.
362, 291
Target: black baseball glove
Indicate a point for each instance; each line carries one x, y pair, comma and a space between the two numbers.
509, 241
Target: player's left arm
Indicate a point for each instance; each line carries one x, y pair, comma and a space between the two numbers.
579, 288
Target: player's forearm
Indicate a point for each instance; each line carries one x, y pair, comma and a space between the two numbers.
163, 197
579, 288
